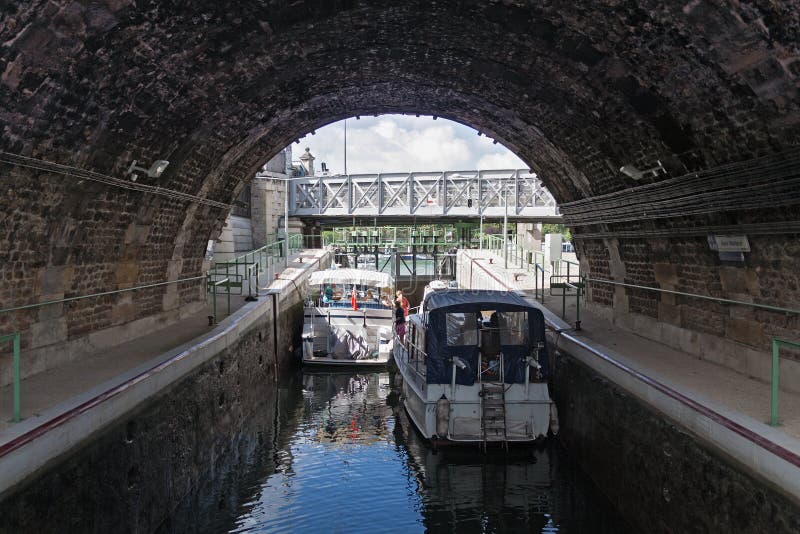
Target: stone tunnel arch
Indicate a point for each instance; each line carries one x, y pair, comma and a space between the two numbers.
576, 91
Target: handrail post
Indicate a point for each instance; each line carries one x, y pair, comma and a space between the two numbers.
773, 419
16, 343
578, 308
776, 343
214, 299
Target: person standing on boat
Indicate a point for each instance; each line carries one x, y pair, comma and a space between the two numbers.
403, 302
399, 320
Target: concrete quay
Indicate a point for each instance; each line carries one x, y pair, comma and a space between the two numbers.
65, 406
723, 409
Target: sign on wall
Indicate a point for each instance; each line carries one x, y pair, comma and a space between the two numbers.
729, 243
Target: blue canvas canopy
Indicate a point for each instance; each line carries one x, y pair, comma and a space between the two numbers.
458, 313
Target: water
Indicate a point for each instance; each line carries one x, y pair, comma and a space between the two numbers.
346, 459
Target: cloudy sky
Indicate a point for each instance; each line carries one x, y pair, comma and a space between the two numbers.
398, 143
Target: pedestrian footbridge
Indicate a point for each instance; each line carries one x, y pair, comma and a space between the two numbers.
515, 193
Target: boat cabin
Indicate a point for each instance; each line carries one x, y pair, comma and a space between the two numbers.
468, 337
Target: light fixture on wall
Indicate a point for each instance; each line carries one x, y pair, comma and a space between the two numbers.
155, 170
634, 173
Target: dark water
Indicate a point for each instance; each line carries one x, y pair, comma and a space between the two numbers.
344, 458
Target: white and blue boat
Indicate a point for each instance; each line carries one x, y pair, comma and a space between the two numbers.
475, 369
348, 318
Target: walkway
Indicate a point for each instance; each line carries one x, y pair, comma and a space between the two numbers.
720, 388
61, 386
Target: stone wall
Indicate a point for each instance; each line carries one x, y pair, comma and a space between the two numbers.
658, 476
737, 336
267, 209
577, 91
138, 471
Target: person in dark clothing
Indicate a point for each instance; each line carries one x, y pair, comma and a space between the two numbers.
490, 347
399, 320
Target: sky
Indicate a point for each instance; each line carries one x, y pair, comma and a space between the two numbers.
402, 143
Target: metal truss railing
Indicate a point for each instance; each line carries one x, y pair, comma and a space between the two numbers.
449, 193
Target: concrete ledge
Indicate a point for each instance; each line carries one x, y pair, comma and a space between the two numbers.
35, 443
762, 450
758, 448
46, 356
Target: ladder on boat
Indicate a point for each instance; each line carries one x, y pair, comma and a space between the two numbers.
493, 408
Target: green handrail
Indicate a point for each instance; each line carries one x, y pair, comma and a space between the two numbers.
14, 338
213, 285
776, 344
693, 295
101, 294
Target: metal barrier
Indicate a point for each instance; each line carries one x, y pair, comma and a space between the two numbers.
693, 295
513, 253
558, 267
212, 285
776, 345
14, 338
565, 283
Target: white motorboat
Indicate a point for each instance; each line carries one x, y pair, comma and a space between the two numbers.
348, 318
475, 368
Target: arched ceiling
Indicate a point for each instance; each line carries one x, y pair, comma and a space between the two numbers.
217, 88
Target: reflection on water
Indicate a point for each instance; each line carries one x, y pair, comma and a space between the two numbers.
347, 460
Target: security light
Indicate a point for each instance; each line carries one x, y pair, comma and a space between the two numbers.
634, 173
155, 170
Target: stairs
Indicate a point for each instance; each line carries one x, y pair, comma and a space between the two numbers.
493, 406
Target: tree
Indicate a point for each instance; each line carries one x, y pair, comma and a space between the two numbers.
557, 229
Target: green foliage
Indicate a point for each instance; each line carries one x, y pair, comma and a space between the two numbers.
557, 229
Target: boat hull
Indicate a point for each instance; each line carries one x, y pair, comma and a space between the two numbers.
373, 326
527, 409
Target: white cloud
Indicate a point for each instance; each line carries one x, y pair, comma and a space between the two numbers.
399, 143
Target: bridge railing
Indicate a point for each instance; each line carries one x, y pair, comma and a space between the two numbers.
449, 193
517, 256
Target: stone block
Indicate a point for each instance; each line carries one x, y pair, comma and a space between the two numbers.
126, 273
124, 311
174, 268
744, 331
666, 274
48, 332
790, 375
51, 311
736, 280
759, 365
171, 299
136, 234
669, 313
52, 281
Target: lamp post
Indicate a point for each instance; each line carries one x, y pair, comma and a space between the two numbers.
505, 225
480, 230
286, 223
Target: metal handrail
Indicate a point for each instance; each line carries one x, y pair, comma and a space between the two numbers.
694, 295
775, 382
103, 293
227, 282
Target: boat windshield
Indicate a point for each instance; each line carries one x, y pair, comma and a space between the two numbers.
350, 288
